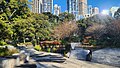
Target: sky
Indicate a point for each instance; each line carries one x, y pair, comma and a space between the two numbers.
101, 4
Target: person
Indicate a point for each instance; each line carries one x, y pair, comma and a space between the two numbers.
89, 56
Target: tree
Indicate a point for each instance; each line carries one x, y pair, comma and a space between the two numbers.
100, 19
94, 26
113, 33
82, 26
117, 14
96, 31
41, 27
65, 29
105, 35
34, 28
14, 14
66, 17
19, 28
52, 18
5, 31
12, 9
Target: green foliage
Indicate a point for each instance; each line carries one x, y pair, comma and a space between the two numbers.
66, 17
92, 42
41, 27
14, 9
5, 52
104, 34
48, 49
26, 43
112, 35
2, 43
95, 27
24, 25
51, 18
13, 16
37, 47
34, 42
17, 22
5, 30
67, 47
54, 49
82, 26
75, 39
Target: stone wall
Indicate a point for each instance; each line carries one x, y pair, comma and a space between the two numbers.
7, 63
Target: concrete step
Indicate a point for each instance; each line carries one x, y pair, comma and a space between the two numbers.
26, 66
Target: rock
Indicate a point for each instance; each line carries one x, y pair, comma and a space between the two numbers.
22, 56
107, 56
78, 53
73, 45
11, 47
27, 66
8, 63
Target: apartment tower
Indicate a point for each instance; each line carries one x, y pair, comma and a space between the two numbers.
83, 7
113, 10
37, 6
57, 9
95, 11
77, 7
72, 7
90, 9
47, 6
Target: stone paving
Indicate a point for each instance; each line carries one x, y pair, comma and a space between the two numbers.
39, 59
30, 58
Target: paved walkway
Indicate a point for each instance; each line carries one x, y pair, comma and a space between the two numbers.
52, 60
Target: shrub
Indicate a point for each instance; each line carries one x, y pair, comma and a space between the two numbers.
48, 49
92, 42
2, 43
54, 49
37, 47
28, 43
6, 52
13, 51
34, 42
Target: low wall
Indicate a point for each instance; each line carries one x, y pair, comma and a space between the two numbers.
10, 62
73, 45
7, 63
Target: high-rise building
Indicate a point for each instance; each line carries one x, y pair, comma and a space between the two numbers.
90, 9
89, 12
82, 7
47, 5
77, 7
95, 11
113, 10
57, 9
72, 7
37, 6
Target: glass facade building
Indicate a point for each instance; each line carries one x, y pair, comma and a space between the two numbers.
47, 6
77, 7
